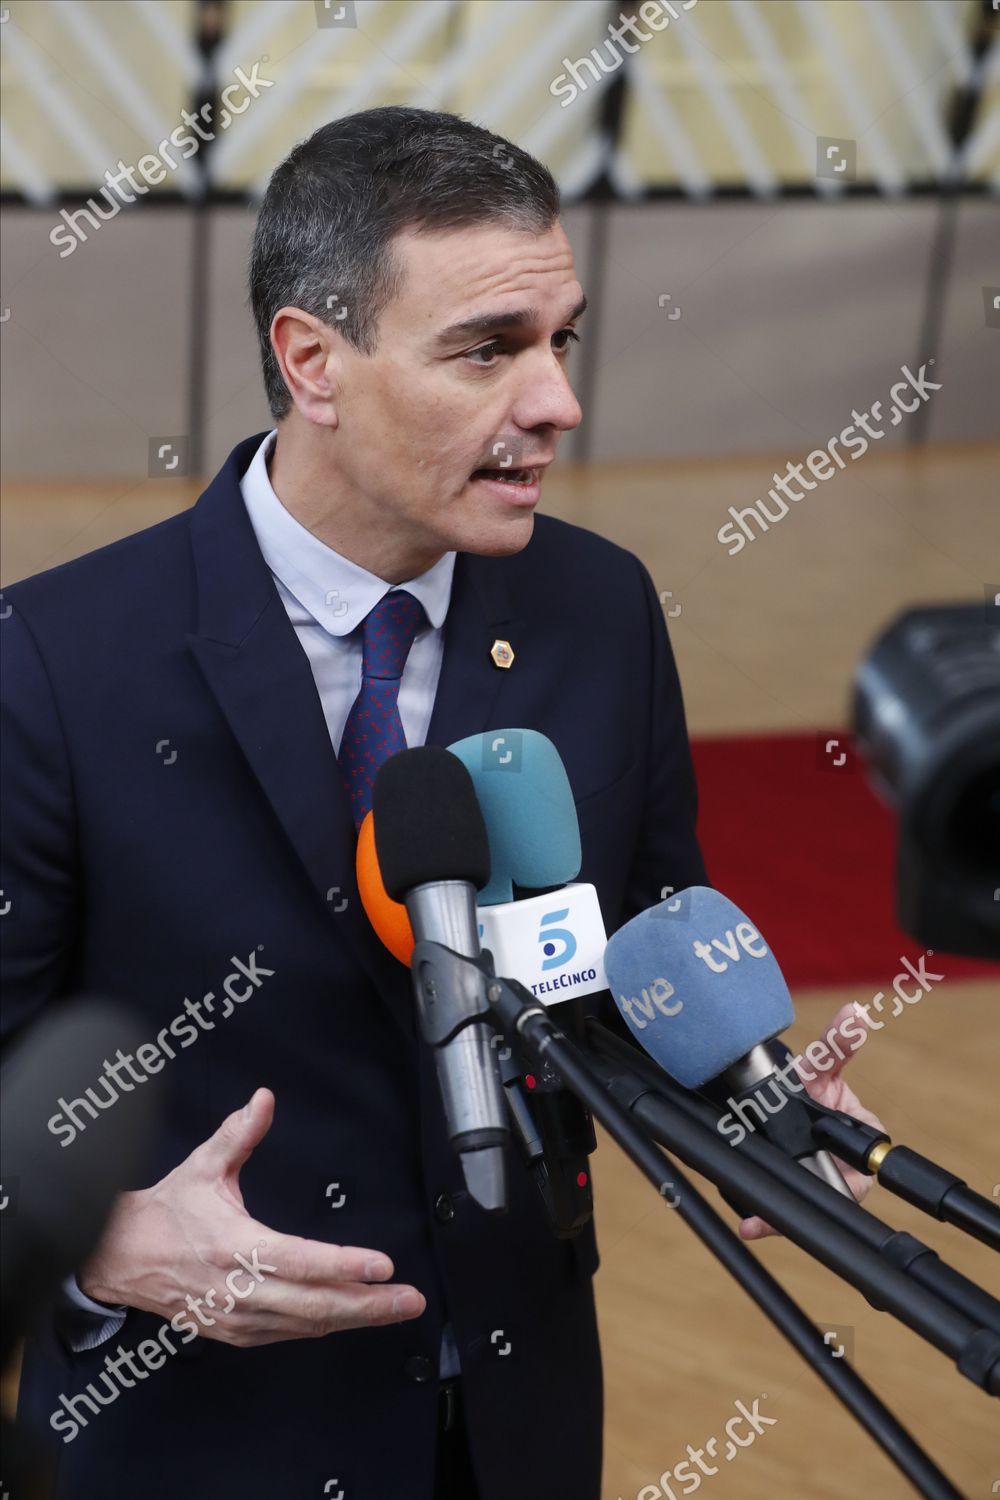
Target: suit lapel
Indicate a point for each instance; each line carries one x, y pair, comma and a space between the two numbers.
247, 650
470, 686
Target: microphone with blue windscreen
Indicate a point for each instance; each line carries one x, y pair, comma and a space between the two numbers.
540, 923
702, 993
527, 804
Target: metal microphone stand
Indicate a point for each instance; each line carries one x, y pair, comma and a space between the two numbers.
977, 1351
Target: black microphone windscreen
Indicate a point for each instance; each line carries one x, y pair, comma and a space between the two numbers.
428, 823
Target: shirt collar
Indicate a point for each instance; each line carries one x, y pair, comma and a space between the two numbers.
335, 591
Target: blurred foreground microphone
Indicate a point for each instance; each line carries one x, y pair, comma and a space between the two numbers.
433, 854
56, 1197
552, 942
703, 995
927, 721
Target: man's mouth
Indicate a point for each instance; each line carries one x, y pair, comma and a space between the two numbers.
523, 477
512, 476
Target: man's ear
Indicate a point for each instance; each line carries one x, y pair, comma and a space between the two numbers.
308, 356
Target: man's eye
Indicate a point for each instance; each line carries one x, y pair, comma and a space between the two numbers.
489, 350
570, 335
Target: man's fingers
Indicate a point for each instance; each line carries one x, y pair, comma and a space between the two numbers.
859, 1184
755, 1229
317, 1310
834, 1093
848, 1043
830, 1089
297, 1313
316, 1263
225, 1152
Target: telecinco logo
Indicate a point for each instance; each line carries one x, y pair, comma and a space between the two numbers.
549, 936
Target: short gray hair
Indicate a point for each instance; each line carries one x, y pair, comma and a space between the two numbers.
334, 205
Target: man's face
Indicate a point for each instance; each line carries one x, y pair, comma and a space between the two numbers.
428, 409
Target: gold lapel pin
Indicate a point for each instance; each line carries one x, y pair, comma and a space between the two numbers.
502, 654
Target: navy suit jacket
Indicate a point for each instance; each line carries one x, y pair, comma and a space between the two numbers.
145, 875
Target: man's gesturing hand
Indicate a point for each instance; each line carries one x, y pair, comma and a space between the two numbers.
170, 1248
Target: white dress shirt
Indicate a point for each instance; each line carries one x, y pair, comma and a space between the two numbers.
326, 597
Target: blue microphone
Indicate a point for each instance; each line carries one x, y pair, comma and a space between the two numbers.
702, 993
542, 925
529, 811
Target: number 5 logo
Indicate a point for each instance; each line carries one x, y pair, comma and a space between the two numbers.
549, 936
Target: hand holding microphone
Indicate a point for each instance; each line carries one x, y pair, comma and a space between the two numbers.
701, 992
843, 1038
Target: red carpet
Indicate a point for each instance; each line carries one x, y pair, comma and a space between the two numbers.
808, 852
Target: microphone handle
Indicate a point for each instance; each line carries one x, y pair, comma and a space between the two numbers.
913, 1177
455, 1022
444, 911
785, 1123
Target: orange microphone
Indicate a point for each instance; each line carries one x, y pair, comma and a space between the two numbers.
389, 918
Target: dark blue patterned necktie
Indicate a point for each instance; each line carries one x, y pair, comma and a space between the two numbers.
374, 730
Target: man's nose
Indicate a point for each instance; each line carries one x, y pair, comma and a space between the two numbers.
548, 401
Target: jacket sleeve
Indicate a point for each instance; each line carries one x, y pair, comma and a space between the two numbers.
39, 856
40, 879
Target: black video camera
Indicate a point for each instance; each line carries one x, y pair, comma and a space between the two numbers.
927, 722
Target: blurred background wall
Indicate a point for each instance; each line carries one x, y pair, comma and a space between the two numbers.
744, 290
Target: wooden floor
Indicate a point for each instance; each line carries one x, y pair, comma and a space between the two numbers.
766, 639
682, 1343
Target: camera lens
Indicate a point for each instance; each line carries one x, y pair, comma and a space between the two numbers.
974, 831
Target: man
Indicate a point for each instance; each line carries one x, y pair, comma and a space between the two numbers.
194, 715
